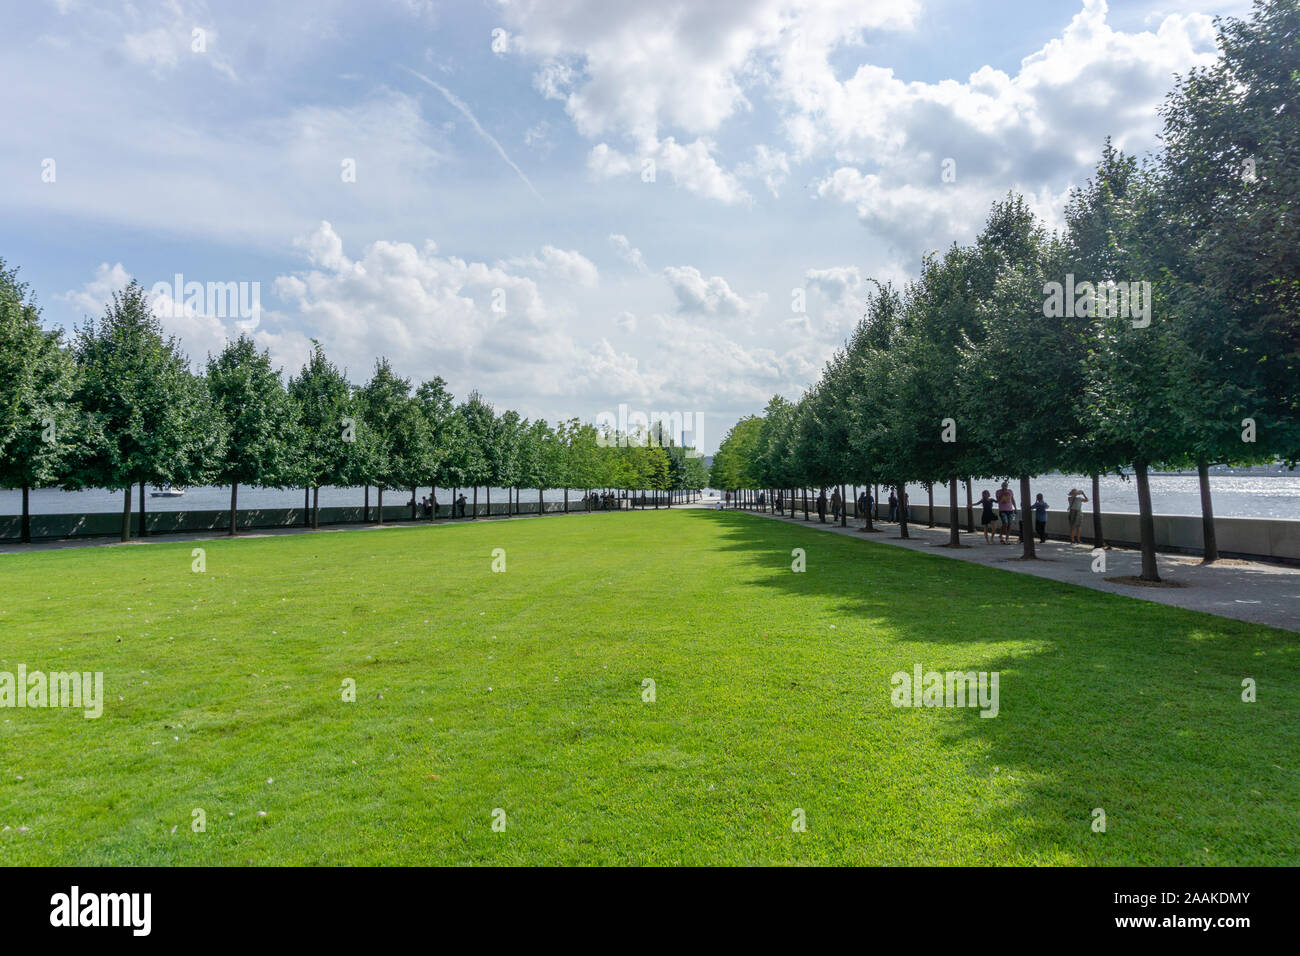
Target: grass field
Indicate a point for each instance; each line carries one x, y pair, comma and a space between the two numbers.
523, 691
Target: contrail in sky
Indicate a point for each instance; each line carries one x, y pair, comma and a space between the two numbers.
455, 101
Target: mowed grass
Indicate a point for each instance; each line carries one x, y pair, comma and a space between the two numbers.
523, 691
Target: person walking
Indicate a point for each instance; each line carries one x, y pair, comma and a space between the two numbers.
835, 504
1074, 512
893, 505
1040, 519
987, 519
821, 506
1006, 509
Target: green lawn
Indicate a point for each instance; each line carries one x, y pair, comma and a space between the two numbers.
523, 691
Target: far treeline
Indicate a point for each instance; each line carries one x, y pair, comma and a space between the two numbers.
119, 406
1160, 329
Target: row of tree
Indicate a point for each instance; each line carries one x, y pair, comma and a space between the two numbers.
1160, 328
120, 406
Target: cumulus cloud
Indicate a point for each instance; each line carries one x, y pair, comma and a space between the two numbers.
93, 297
770, 166
705, 296
639, 68
627, 252
647, 73
692, 167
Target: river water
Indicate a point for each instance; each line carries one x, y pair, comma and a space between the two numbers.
1235, 496
91, 501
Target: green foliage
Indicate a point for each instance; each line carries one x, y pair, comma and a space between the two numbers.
40, 427
149, 419
257, 417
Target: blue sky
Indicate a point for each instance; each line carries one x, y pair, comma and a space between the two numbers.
502, 151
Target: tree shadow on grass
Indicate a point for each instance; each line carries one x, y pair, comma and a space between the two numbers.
1105, 702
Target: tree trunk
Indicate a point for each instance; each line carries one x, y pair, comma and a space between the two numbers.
126, 514
1097, 540
805, 505
433, 502
474, 516
315, 507
954, 530
414, 504
875, 502
844, 509
453, 501
365, 506
306, 506
487, 494
25, 531
929, 491
1207, 513
566, 501
379, 505
902, 510
1146, 522
234, 504
970, 510
1026, 521
144, 529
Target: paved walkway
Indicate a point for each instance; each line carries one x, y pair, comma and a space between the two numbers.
1246, 590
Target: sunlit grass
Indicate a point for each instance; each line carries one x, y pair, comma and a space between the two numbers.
523, 691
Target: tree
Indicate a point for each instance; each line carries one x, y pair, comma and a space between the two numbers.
39, 424
1132, 391
439, 418
480, 424
147, 420
329, 423
504, 454
540, 460
257, 417
1229, 186
395, 428
1021, 378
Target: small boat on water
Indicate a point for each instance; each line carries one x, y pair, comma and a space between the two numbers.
167, 491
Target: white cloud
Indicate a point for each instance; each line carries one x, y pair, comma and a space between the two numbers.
639, 68
711, 296
567, 264
691, 167
93, 297
627, 252
771, 166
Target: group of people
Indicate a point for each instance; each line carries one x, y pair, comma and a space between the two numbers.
429, 505
1007, 513
592, 502
600, 502
998, 516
